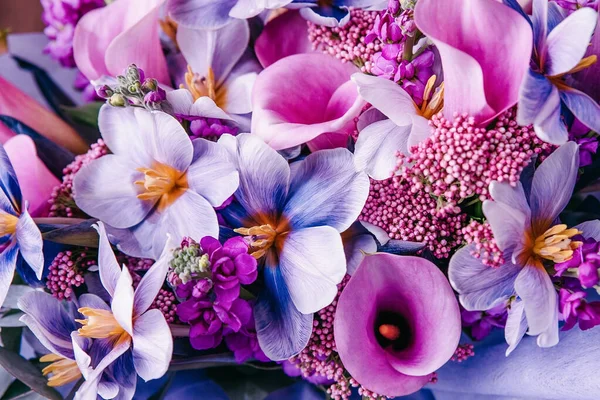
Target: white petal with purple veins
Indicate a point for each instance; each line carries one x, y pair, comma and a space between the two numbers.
203, 14
548, 124
583, 107
122, 301
30, 243
8, 262
152, 345
152, 281
516, 325
533, 94
108, 266
535, 288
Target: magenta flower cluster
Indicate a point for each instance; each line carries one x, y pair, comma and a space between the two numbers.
481, 323
210, 129
62, 203
348, 43
66, 272
212, 304
486, 248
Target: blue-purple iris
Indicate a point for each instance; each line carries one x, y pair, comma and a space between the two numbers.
331, 13
293, 218
559, 47
18, 231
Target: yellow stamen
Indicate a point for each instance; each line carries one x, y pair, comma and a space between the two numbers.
63, 370
162, 183
205, 87
556, 244
8, 224
430, 108
99, 324
581, 65
4, 40
260, 238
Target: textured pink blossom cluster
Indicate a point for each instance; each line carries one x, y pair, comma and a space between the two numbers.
319, 360
458, 162
166, 303
347, 43
66, 272
486, 247
463, 352
62, 203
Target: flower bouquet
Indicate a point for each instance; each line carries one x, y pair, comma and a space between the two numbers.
305, 199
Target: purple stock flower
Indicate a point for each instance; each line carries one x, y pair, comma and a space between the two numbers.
523, 222
137, 339
156, 182
585, 261
397, 321
588, 145
574, 5
18, 232
575, 309
244, 343
482, 322
292, 219
559, 47
231, 266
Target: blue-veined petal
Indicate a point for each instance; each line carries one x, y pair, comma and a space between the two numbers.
583, 107
479, 286
312, 263
49, 321
516, 325
553, 184
29, 240
590, 229
108, 266
10, 198
92, 301
540, 26
152, 345
533, 94
203, 14
326, 16
326, 190
568, 42
549, 125
8, 261
105, 189
123, 373
357, 241
281, 329
211, 174
535, 288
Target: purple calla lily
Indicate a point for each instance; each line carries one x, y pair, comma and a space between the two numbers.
138, 340
559, 48
156, 181
18, 232
397, 321
293, 219
526, 230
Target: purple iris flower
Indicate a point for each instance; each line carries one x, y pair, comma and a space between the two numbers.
332, 13
559, 47
18, 231
127, 333
292, 219
156, 182
525, 224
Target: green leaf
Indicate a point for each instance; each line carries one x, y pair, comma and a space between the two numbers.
14, 294
82, 234
86, 114
27, 373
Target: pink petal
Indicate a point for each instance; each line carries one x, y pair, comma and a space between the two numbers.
109, 39
301, 97
485, 48
283, 36
16, 104
34, 178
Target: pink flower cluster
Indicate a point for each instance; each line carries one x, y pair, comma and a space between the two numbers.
347, 43
463, 352
66, 272
209, 278
62, 203
458, 162
319, 361
486, 247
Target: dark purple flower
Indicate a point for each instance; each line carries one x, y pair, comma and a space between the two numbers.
585, 260
231, 266
206, 328
482, 322
574, 309
244, 343
588, 146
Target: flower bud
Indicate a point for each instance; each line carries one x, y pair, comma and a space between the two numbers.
117, 100
105, 91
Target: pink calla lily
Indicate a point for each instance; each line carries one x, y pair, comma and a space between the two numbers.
16, 104
485, 49
36, 181
109, 39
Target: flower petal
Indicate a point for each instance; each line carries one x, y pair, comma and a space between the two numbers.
49, 321
8, 262
29, 240
568, 42
326, 190
284, 35
152, 345
377, 146
10, 193
312, 263
549, 125
122, 301
219, 49
245, 9
183, 105
105, 189
590, 229
358, 242
264, 178
553, 185
330, 17
471, 36
212, 175
386, 96
535, 288
583, 107
152, 281
281, 329
204, 14
479, 286
238, 87
516, 325
108, 267
534, 93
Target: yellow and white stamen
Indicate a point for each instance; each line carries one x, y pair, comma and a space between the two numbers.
556, 245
